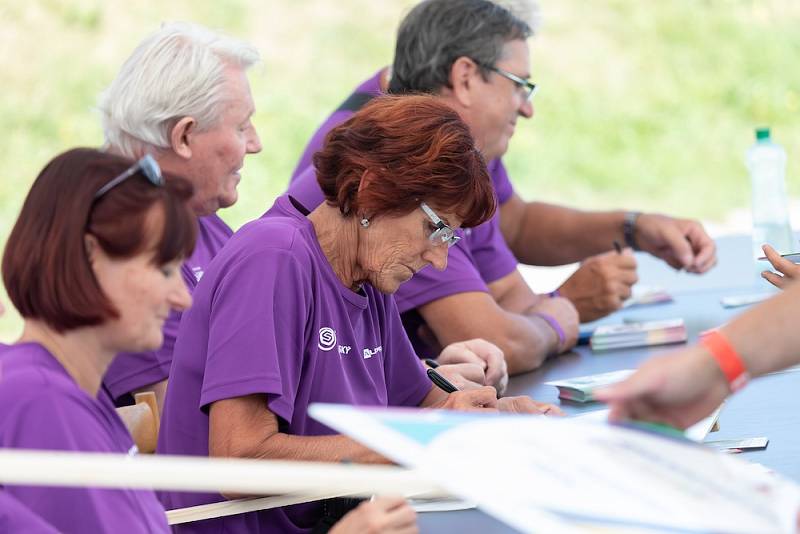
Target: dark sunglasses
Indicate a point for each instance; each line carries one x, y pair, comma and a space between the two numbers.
147, 165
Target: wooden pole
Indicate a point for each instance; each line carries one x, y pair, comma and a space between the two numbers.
201, 474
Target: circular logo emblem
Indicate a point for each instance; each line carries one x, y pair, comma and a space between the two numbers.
327, 338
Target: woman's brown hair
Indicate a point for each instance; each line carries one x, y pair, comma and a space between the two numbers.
46, 270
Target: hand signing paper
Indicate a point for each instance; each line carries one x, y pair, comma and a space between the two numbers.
462, 360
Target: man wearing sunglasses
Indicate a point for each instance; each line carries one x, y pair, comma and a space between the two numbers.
474, 54
149, 117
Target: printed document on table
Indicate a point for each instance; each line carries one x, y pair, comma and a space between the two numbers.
548, 474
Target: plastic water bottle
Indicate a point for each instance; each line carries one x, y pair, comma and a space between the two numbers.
766, 161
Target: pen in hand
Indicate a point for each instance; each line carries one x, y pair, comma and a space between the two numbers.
441, 382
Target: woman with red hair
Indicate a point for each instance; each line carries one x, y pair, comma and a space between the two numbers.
297, 307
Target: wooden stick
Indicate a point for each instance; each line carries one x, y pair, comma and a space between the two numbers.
241, 506
254, 504
201, 474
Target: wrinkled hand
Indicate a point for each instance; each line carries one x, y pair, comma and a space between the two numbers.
527, 405
682, 243
564, 312
474, 400
384, 515
786, 271
488, 356
678, 389
601, 284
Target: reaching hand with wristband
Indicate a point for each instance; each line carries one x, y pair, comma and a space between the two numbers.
683, 387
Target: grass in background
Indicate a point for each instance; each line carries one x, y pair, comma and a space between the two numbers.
642, 104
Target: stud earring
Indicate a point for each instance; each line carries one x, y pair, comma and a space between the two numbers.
365, 222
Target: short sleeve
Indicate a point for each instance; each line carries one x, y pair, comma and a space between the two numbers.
500, 181
429, 284
259, 310
493, 258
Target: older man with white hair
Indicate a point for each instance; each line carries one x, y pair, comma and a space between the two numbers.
182, 96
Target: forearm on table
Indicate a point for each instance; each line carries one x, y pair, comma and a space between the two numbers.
243, 427
281, 446
766, 337
526, 340
554, 235
513, 294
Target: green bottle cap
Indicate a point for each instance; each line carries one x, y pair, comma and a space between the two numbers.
762, 134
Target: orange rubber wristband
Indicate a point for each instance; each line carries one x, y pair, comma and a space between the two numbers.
727, 358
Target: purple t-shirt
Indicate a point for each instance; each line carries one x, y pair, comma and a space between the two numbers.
480, 258
15, 517
372, 87
271, 317
131, 371
43, 408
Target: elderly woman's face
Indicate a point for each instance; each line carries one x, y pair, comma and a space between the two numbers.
393, 248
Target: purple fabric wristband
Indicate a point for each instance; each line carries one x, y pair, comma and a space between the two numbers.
554, 325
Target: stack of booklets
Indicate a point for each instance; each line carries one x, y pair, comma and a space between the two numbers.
581, 389
647, 295
645, 334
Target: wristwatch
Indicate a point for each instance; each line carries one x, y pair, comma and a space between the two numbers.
629, 228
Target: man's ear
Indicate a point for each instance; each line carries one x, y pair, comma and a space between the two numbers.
181, 136
463, 79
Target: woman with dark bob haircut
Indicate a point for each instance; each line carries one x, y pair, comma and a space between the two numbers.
93, 266
297, 307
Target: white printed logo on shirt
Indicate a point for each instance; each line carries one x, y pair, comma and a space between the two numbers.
369, 353
197, 272
327, 338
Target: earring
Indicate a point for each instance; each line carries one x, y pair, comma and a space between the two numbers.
365, 222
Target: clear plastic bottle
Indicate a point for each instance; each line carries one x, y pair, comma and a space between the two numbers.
766, 161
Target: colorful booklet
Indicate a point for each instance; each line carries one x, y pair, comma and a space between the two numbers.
644, 334
580, 389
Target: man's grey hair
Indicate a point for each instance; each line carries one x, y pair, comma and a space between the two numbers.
435, 33
527, 10
176, 72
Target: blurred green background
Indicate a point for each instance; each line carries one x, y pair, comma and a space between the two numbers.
647, 104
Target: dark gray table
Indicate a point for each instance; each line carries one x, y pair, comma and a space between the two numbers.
767, 407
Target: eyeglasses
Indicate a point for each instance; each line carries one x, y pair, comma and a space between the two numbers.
526, 86
443, 235
147, 165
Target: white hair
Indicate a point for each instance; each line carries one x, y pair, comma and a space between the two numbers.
176, 72
527, 10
